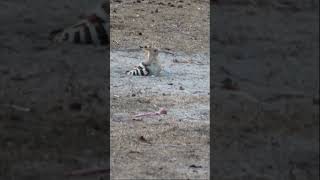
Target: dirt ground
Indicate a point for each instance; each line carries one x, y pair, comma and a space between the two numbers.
265, 101
53, 114
175, 145
52, 101
179, 25
267, 124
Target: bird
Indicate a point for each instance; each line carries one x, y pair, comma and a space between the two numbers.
150, 66
92, 29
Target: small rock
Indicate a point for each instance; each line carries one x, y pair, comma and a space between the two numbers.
5, 71
275, 143
143, 139
15, 117
136, 119
181, 88
29, 20
195, 166
56, 108
229, 84
75, 106
18, 78
134, 152
40, 48
315, 101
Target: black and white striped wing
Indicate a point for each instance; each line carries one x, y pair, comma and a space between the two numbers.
83, 32
140, 70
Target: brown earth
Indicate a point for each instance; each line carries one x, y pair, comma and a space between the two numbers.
179, 25
175, 145
52, 101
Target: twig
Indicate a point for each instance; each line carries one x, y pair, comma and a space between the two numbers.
161, 111
87, 172
16, 107
181, 61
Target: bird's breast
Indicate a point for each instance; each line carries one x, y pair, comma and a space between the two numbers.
154, 69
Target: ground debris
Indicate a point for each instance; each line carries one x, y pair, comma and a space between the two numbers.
229, 84
195, 166
87, 172
143, 139
16, 107
161, 111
